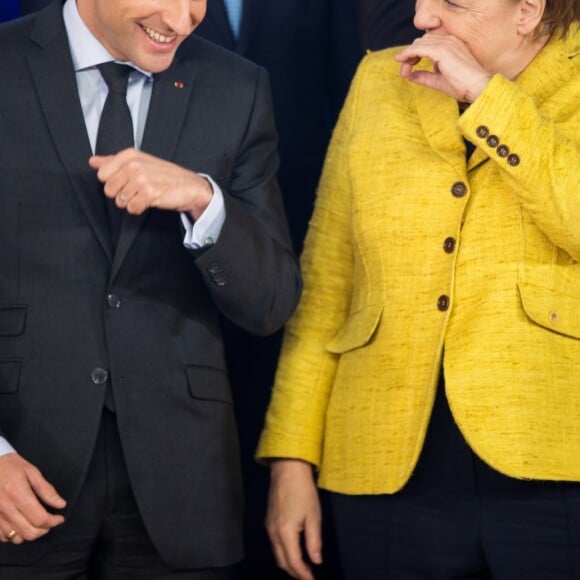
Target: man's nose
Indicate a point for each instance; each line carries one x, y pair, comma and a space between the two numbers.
179, 16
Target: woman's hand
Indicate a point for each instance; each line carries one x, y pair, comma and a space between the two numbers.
293, 510
456, 72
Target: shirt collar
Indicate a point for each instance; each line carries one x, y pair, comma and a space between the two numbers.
86, 50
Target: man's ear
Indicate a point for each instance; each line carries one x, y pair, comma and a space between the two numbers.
531, 12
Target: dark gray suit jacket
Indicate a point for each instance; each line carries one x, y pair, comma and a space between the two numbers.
147, 316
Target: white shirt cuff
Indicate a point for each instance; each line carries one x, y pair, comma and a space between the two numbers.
5, 447
205, 231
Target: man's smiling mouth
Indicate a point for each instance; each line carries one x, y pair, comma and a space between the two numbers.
157, 36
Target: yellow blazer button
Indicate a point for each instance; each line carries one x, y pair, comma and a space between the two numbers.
503, 151
449, 245
482, 131
459, 189
493, 141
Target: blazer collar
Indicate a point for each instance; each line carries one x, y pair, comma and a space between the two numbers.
216, 14
252, 15
438, 114
552, 68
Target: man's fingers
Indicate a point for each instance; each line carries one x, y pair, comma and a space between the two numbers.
23, 491
107, 165
25, 530
44, 490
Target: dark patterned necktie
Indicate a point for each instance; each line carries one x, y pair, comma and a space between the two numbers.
115, 128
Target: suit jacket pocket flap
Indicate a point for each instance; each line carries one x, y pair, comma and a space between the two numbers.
551, 309
12, 320
208, 384
9, 375
357, 331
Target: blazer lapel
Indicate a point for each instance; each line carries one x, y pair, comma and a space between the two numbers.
64, 117
252, 15
217, 16
171, 95
438, 114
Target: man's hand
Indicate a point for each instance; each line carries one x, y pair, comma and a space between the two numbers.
293, 510
456, 72
138, 181
23, 494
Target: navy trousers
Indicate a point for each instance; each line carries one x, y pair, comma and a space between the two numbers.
459, 519
104, 537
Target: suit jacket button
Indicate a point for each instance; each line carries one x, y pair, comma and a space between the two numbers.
113, 301
443, 302
99, 376
458, 189
513, 159
493, 141
503, 150
482, 131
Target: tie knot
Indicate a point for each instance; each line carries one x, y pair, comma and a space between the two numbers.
116, 76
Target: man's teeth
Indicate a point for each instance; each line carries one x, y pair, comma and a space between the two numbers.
156, 36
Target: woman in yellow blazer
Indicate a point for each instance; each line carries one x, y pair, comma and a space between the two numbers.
445, 242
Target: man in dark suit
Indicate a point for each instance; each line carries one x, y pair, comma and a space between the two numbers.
310, 50
117, 436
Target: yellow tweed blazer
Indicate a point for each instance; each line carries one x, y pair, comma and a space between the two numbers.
411, 251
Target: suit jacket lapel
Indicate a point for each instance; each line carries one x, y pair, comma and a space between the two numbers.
252, 16
252, 13
64, 117
170, 99
218, 18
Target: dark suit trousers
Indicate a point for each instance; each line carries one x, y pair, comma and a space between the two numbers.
104, 537
458, 518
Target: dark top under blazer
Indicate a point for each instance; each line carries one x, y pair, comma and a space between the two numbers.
158, 335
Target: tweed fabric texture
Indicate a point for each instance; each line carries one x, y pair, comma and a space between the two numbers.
361, 356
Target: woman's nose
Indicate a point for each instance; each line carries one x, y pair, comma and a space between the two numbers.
427, 15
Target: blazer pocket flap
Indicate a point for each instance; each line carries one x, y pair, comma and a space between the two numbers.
551, 309
357, 331
9, 375
12, 320
208, 384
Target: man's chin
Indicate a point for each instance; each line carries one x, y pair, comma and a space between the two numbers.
155, 64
